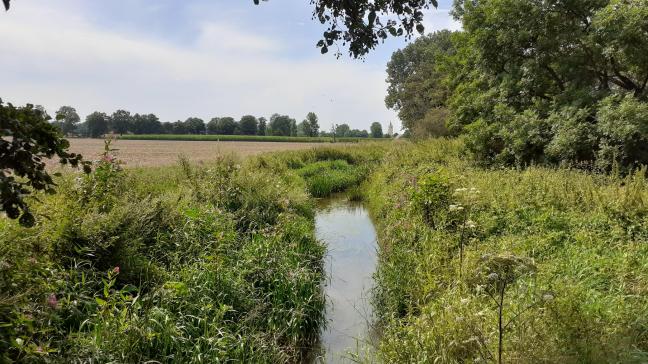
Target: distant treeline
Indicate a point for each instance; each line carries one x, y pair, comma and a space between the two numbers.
122, 122
244, 138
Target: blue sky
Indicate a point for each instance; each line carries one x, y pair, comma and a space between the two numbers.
186, 58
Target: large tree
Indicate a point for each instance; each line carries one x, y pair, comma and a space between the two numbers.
121, 122
248, 125
225, 125
146, 124
263, 123
97, 124
417, 78
195, 126
342, 130
68, 119
532, 80
281, 125
313, 123
376, 130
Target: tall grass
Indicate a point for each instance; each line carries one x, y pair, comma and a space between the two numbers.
214, 263
555, 261
190, 264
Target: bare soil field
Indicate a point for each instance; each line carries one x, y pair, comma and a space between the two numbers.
145, 153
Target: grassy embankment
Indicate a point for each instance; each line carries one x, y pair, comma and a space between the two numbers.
548, 265
244, 138
178, 264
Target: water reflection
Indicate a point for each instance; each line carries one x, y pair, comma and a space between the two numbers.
351, 239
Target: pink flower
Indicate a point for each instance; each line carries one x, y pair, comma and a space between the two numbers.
116, 270
52, 301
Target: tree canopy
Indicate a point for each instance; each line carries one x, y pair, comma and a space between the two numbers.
281, 125
248, 125
376, 130
68, 118
416, 80
27, 140
532, 81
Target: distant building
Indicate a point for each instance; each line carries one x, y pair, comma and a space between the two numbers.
390, 130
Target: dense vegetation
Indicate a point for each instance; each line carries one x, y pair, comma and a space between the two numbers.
185, 264
533, 82
559, 255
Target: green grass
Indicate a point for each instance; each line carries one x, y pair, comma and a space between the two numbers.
327, 177
215, 263
584, 237
244, 138
220, 263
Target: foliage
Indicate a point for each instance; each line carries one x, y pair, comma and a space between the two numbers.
212, 263
263, 124
281, 125
68, 119
146, 124
342, 130
326, 177
623, 129
248, 125
554, 260
363, 24
416, 78
195, 126
28, 139
507, 82
225, 126
313, 124
97, 124
376, 130
121, 121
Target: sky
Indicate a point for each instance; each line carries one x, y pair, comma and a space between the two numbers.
191, 58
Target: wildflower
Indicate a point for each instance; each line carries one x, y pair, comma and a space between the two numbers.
470, 224
548, 296
19, 341
460, 190
464, 300
456, 208
116, 270
493, 276
52, 301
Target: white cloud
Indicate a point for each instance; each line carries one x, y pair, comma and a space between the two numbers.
53, 57
439, 19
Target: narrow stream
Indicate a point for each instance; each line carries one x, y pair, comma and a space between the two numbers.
348, 232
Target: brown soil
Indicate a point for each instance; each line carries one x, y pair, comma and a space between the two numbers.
145, 153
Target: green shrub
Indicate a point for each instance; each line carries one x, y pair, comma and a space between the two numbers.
623, 126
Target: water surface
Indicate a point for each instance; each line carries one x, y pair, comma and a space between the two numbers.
348, 232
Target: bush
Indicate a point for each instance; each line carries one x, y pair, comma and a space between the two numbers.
623, 126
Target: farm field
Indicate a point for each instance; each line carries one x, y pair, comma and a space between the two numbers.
247, 138
151, 153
